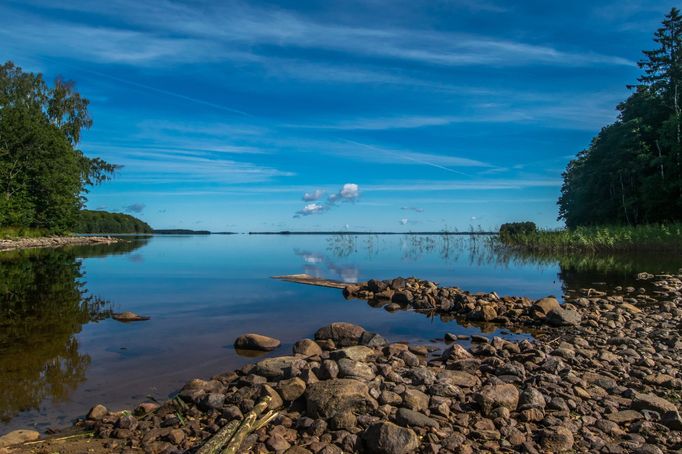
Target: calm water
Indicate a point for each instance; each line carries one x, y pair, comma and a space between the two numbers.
60, 352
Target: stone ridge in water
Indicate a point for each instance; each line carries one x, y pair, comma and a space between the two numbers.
611, 383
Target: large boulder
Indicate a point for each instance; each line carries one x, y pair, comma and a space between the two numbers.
343, 334
328, 398
388, 438
252, 341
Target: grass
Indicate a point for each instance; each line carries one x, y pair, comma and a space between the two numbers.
652, 237
13, 233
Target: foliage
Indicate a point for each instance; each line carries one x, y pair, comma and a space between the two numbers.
649, 237
632, 171
516, 228
43, 176
104, 222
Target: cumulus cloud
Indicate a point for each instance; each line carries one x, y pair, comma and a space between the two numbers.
135, 208
404, 221
311, 208
312, 196
349, 192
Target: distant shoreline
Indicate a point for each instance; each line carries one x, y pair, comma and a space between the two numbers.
285, 232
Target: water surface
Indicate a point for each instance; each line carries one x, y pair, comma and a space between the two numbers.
60, 352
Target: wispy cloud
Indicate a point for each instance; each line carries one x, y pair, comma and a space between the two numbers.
135, 208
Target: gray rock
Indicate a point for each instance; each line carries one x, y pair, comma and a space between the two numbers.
343, 334
493, 396
563, 317
410, 418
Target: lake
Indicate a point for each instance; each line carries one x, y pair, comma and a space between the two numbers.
60, 352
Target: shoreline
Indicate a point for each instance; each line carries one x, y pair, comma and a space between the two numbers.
52, 242
601, 374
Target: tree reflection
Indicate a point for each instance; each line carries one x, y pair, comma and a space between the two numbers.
43, 305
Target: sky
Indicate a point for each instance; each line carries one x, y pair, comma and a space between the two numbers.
375, 115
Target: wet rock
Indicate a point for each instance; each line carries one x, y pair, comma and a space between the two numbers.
252, 341
388, 438
128, 317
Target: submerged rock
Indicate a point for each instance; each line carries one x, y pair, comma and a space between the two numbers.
252, 341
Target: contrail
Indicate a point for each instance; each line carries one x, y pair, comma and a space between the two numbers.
409, 158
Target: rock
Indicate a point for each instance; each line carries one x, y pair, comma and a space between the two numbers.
307, 347
546, 305
415, 400
672, 420
631, 308
355, 369
410, 418
18, 437
556, 439
343, 334
356, 353
128, 317
531, 398
176, 436
327, 398
252, 341
456, 352
563, 317
97, 412
211, 401
297, 450
652, 402
277, 443
291, 389
388, 438
276, 401
621, 417
279, 367
493, 396
458, 378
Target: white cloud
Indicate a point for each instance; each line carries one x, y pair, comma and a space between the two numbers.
404, 221
312, 196
311, 208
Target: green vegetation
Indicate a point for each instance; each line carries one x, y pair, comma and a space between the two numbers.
631, 174
43, 175
664, 237
516, 228
104, 222
10, 233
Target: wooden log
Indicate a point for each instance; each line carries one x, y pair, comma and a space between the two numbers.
310, 280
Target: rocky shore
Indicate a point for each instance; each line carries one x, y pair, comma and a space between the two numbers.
602, 374
53, 241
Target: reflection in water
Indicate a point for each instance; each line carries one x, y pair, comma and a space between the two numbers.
43, 304
315, 261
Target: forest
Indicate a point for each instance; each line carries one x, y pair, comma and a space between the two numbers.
631, 174
90, 221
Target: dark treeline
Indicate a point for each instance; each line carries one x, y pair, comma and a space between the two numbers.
90, 221
632, 171
43, 174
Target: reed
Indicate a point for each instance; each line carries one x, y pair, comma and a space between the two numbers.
651, 237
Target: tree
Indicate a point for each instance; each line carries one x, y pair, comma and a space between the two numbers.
632, 171
43, 176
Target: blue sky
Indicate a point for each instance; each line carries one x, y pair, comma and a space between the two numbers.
369, 115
